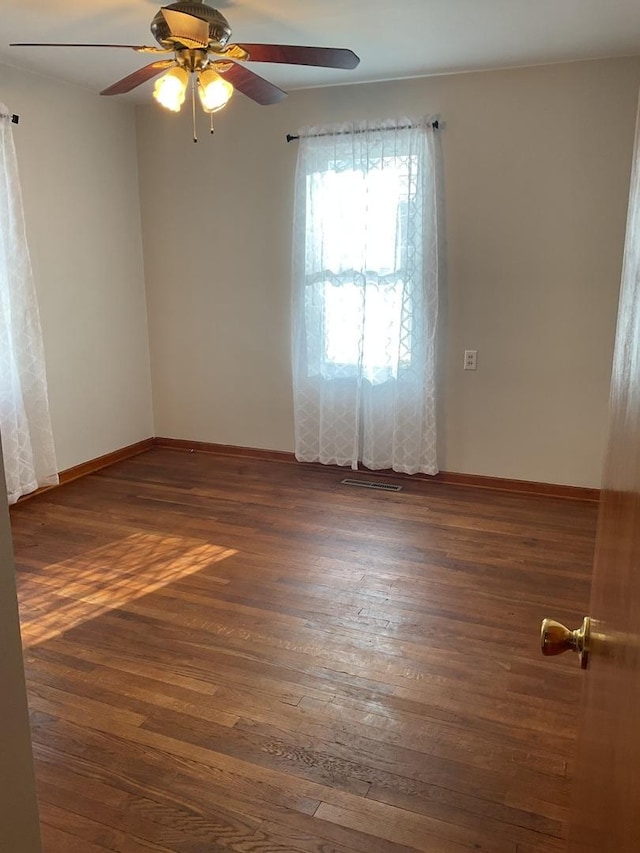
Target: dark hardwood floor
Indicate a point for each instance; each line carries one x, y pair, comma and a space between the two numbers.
235, 655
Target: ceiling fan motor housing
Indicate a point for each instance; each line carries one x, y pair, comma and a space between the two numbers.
219, 29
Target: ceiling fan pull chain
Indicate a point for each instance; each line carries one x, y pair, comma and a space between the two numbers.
212, 127
193, 106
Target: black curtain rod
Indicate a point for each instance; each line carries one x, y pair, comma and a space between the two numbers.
291, 138
14, 118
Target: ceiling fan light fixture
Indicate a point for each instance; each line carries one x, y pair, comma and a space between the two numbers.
171, 89
198, 36
214, 91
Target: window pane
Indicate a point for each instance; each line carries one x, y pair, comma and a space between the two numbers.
376, 340
343, 330
353, 217
358, 296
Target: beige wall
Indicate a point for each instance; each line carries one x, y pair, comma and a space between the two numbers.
19, 827
537, 165
78, 169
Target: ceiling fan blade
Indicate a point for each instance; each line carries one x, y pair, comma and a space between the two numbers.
141, 48
138, 77
252, 85
186, 30
325, 57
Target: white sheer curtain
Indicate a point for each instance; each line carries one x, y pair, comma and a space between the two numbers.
365, 296
25, 425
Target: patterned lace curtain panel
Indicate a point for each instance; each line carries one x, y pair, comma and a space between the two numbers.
25, 424
365, 295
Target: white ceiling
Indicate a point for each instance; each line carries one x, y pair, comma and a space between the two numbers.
398, 38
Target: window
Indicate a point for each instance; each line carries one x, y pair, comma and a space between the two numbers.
365, 280
356, 212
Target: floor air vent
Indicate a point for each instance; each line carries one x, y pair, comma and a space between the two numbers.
370, 484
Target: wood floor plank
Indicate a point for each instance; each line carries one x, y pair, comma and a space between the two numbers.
319, 836
241, 655
168, 824
55, 840
404, 827
143, 697
90, 831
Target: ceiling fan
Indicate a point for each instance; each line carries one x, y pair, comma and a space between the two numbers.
198, 36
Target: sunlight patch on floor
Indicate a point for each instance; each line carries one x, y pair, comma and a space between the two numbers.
64, 595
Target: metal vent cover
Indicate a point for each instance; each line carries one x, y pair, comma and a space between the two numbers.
371, 484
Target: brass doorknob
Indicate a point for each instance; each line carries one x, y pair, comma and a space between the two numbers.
555, 639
